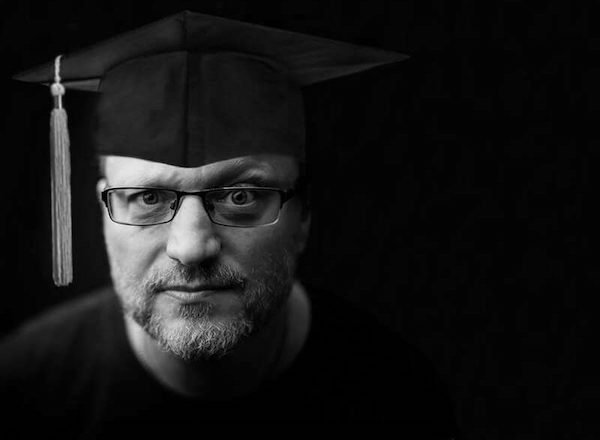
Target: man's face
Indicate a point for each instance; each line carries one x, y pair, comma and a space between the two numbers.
196, 287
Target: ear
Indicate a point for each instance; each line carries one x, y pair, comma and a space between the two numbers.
100, 186
302, 233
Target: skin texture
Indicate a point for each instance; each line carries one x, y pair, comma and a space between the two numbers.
197, 347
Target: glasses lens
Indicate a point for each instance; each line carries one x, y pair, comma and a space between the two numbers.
243, 206
141, 206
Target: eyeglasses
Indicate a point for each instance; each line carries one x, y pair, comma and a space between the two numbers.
238, 206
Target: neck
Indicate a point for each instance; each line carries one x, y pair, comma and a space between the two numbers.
263, 355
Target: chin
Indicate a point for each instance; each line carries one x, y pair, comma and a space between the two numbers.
200, 337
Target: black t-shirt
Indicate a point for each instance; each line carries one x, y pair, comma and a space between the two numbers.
72, 374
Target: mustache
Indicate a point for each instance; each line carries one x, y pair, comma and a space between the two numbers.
200, 275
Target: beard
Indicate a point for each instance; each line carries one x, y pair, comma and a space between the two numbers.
194, 331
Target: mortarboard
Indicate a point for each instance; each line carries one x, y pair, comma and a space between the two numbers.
188, 90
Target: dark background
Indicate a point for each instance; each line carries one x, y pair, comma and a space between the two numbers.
449, 190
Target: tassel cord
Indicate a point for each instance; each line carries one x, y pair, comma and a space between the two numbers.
60, 175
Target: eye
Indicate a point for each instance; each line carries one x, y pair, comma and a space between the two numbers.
150, 197
241, 197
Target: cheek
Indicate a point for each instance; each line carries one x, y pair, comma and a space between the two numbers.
130, 248
253, 248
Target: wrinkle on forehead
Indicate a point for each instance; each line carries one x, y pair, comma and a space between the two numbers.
131, 171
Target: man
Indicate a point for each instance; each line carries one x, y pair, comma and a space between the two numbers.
201, 138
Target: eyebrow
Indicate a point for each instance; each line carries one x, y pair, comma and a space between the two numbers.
244, 170
231, 177
240, 171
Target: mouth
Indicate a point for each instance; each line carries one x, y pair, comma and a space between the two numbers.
194, 294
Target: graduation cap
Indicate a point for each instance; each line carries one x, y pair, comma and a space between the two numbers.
188, 90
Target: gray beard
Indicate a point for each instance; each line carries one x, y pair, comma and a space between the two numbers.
191, 332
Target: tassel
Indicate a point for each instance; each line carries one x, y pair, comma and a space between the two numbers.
60, 175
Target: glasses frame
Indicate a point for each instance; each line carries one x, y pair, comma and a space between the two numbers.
285, 195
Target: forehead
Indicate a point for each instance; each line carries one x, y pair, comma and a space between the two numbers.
268, 168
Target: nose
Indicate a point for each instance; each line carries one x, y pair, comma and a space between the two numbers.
192, 238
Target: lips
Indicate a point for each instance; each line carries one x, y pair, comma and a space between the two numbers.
193, 294
183, 288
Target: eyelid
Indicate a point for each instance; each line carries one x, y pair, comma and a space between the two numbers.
242, 185
257, 181
139, 191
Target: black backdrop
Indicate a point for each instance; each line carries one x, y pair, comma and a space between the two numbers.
448, 190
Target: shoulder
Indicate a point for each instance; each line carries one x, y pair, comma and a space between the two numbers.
50, 365
63, 318
347, 329
54, 332
375, 367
